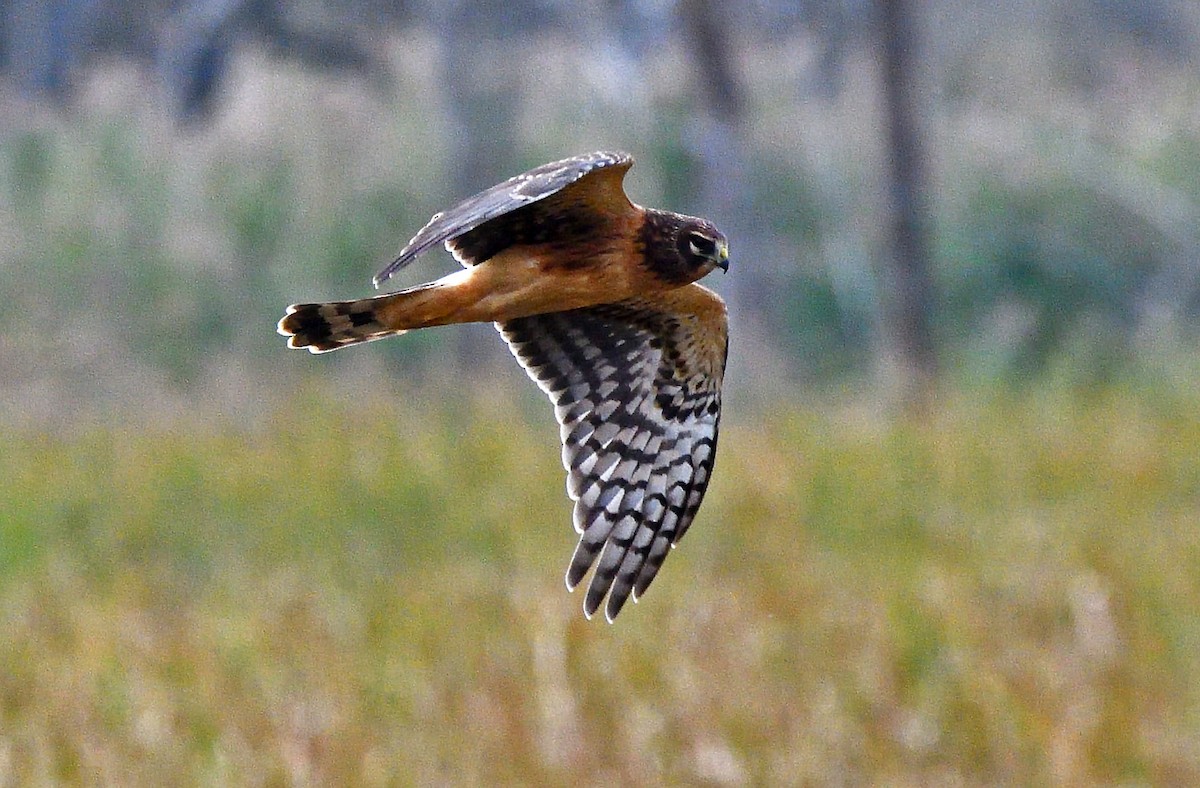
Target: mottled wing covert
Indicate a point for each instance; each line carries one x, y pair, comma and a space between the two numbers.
636, 388
504, 198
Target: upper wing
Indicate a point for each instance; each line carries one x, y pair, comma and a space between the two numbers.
636, 388
598, 176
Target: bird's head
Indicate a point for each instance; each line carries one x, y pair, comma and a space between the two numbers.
703, 247
681, 249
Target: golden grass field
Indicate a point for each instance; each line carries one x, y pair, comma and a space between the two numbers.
1003, 591
204, 581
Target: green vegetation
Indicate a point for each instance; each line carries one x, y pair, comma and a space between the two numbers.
1002, 592
208, 576
145, 244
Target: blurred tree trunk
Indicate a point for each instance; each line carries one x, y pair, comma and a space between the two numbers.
41, 44
725, 191
483, 95
907, 293
710, 50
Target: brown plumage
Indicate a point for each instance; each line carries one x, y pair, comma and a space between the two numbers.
596, 297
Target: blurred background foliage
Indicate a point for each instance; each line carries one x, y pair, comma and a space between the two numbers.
167, 188
223, 560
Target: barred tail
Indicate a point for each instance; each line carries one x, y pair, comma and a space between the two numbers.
329, 326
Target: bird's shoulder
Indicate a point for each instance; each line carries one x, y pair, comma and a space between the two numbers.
570, 198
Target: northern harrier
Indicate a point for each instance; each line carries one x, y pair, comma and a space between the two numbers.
596, 297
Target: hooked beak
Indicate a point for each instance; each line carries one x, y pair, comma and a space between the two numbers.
723, 256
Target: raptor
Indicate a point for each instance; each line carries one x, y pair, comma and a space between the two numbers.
598, 300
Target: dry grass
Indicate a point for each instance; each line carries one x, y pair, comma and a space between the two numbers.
1004, 592
306, 591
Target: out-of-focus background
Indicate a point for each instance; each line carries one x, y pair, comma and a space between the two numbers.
951, 536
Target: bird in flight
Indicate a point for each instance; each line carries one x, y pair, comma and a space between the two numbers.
598, 301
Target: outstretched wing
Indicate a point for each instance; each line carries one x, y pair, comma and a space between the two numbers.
481, 226
636, 387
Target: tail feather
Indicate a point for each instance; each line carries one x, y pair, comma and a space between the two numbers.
322, 328
325, 327
335, 324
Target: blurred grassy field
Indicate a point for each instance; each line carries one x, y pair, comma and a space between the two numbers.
1002, 591
365, 586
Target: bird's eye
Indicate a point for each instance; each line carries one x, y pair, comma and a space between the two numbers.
702, 246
